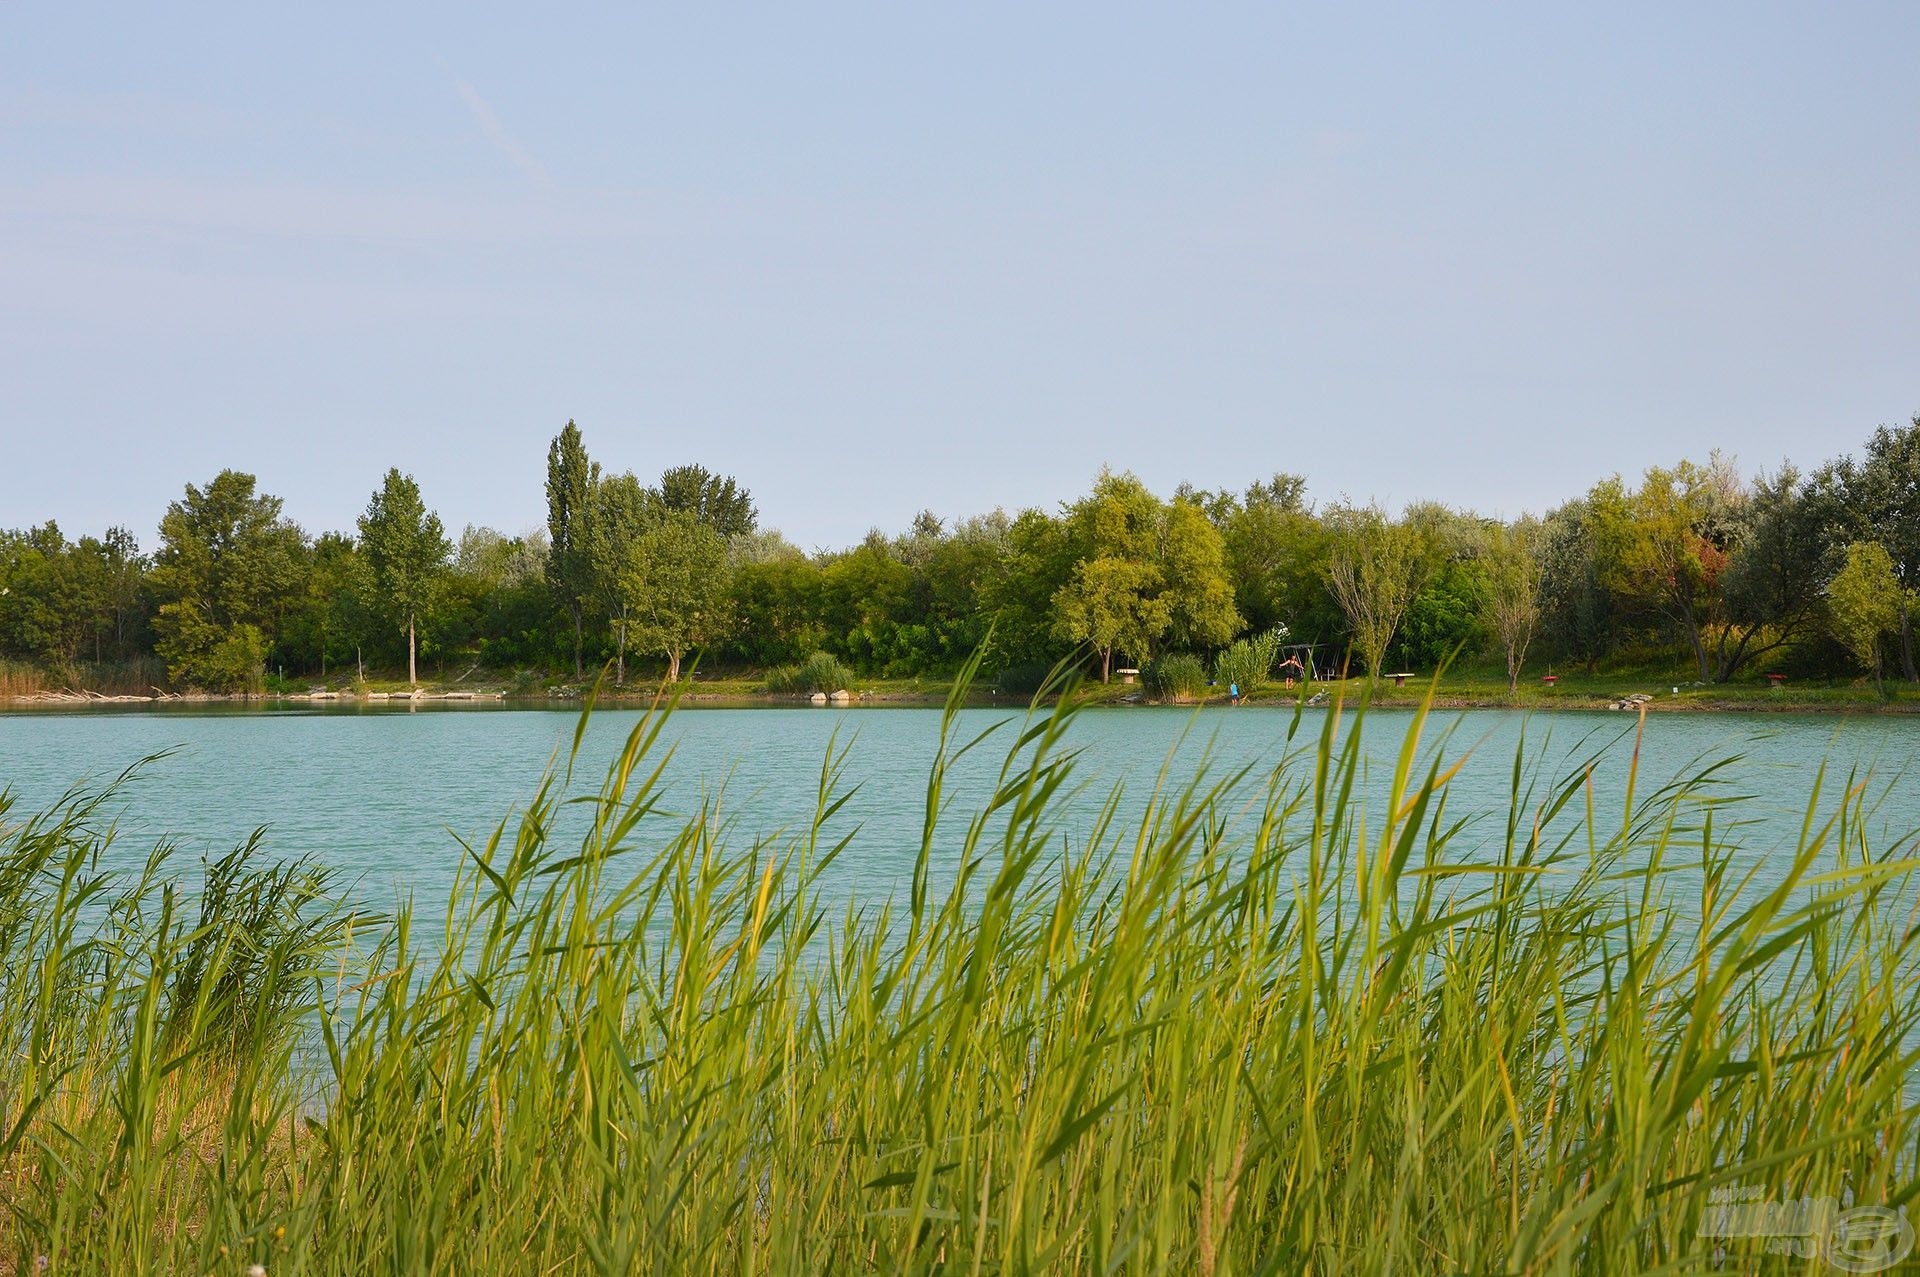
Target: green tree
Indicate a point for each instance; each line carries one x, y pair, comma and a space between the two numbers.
1192, 556
624, 511
35, 606
1880, 501
1375, 570
715, 500
1276, 556
228, 570
572, 479
777, 602
1142, 568
1665, 546
1578, 612
1865, 601
1113, 603
406, 551
677, 587
1770, 593
1515, 582
1018, 593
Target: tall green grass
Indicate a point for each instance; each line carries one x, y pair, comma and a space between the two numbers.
1260, 1028
820, 672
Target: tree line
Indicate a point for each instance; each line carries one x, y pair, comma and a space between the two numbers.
1693, 567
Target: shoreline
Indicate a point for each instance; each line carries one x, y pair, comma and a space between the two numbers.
1688, 701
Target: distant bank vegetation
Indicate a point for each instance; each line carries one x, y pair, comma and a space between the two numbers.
1694, 571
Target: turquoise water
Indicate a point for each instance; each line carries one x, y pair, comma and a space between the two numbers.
381, 794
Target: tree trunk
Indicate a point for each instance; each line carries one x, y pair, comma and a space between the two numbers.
1106, 664
579, 670
1906, 645
620, 661
1699, 651
360, 662
673, 666
411, 677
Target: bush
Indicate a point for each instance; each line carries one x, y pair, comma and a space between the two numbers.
820, 672
1247, 662
1179, 676
1023, 679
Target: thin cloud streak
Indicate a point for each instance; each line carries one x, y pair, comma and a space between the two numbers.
496, 132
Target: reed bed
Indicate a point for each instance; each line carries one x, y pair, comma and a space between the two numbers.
136, 677
1258, 1029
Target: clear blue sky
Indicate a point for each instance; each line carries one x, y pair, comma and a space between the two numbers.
901, 256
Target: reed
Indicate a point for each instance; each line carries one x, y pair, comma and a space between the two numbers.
1261, 1028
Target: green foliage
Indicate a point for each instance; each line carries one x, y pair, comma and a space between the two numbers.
406, 552
1865, 603
674, 585
1375, 570
1579, 614
1178, 676
1113, 604
1688, 562
1248, 663
1023, 679
1143, 569
1258, 1026
715, 500
820, 672
228, 567
1513, 583
1876, 497
1445, 617
572, 481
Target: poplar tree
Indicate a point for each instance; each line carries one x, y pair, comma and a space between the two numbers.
571, 483
406, 551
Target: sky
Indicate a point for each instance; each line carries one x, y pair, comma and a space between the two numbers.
875, 259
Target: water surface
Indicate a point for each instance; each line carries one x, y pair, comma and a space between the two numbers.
381, 793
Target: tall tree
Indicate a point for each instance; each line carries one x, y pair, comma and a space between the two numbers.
715, 500
1770, 593
1193, 563
1667, 545
228, 568
1514, 581
1880, 501
1276, 550
1866, 603
1142, 568
571, 481
1577, 610
406, 551
623, 512
1376, 568
676, 584
1113, 603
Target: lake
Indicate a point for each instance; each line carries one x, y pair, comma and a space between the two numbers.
381, 793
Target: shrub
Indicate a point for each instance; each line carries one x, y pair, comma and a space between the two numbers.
1179, 676
1023, 679
1247, 662
820, 672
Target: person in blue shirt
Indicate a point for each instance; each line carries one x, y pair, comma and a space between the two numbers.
1233, 693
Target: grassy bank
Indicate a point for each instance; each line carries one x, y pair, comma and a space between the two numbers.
1468, 685
1257, 1031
